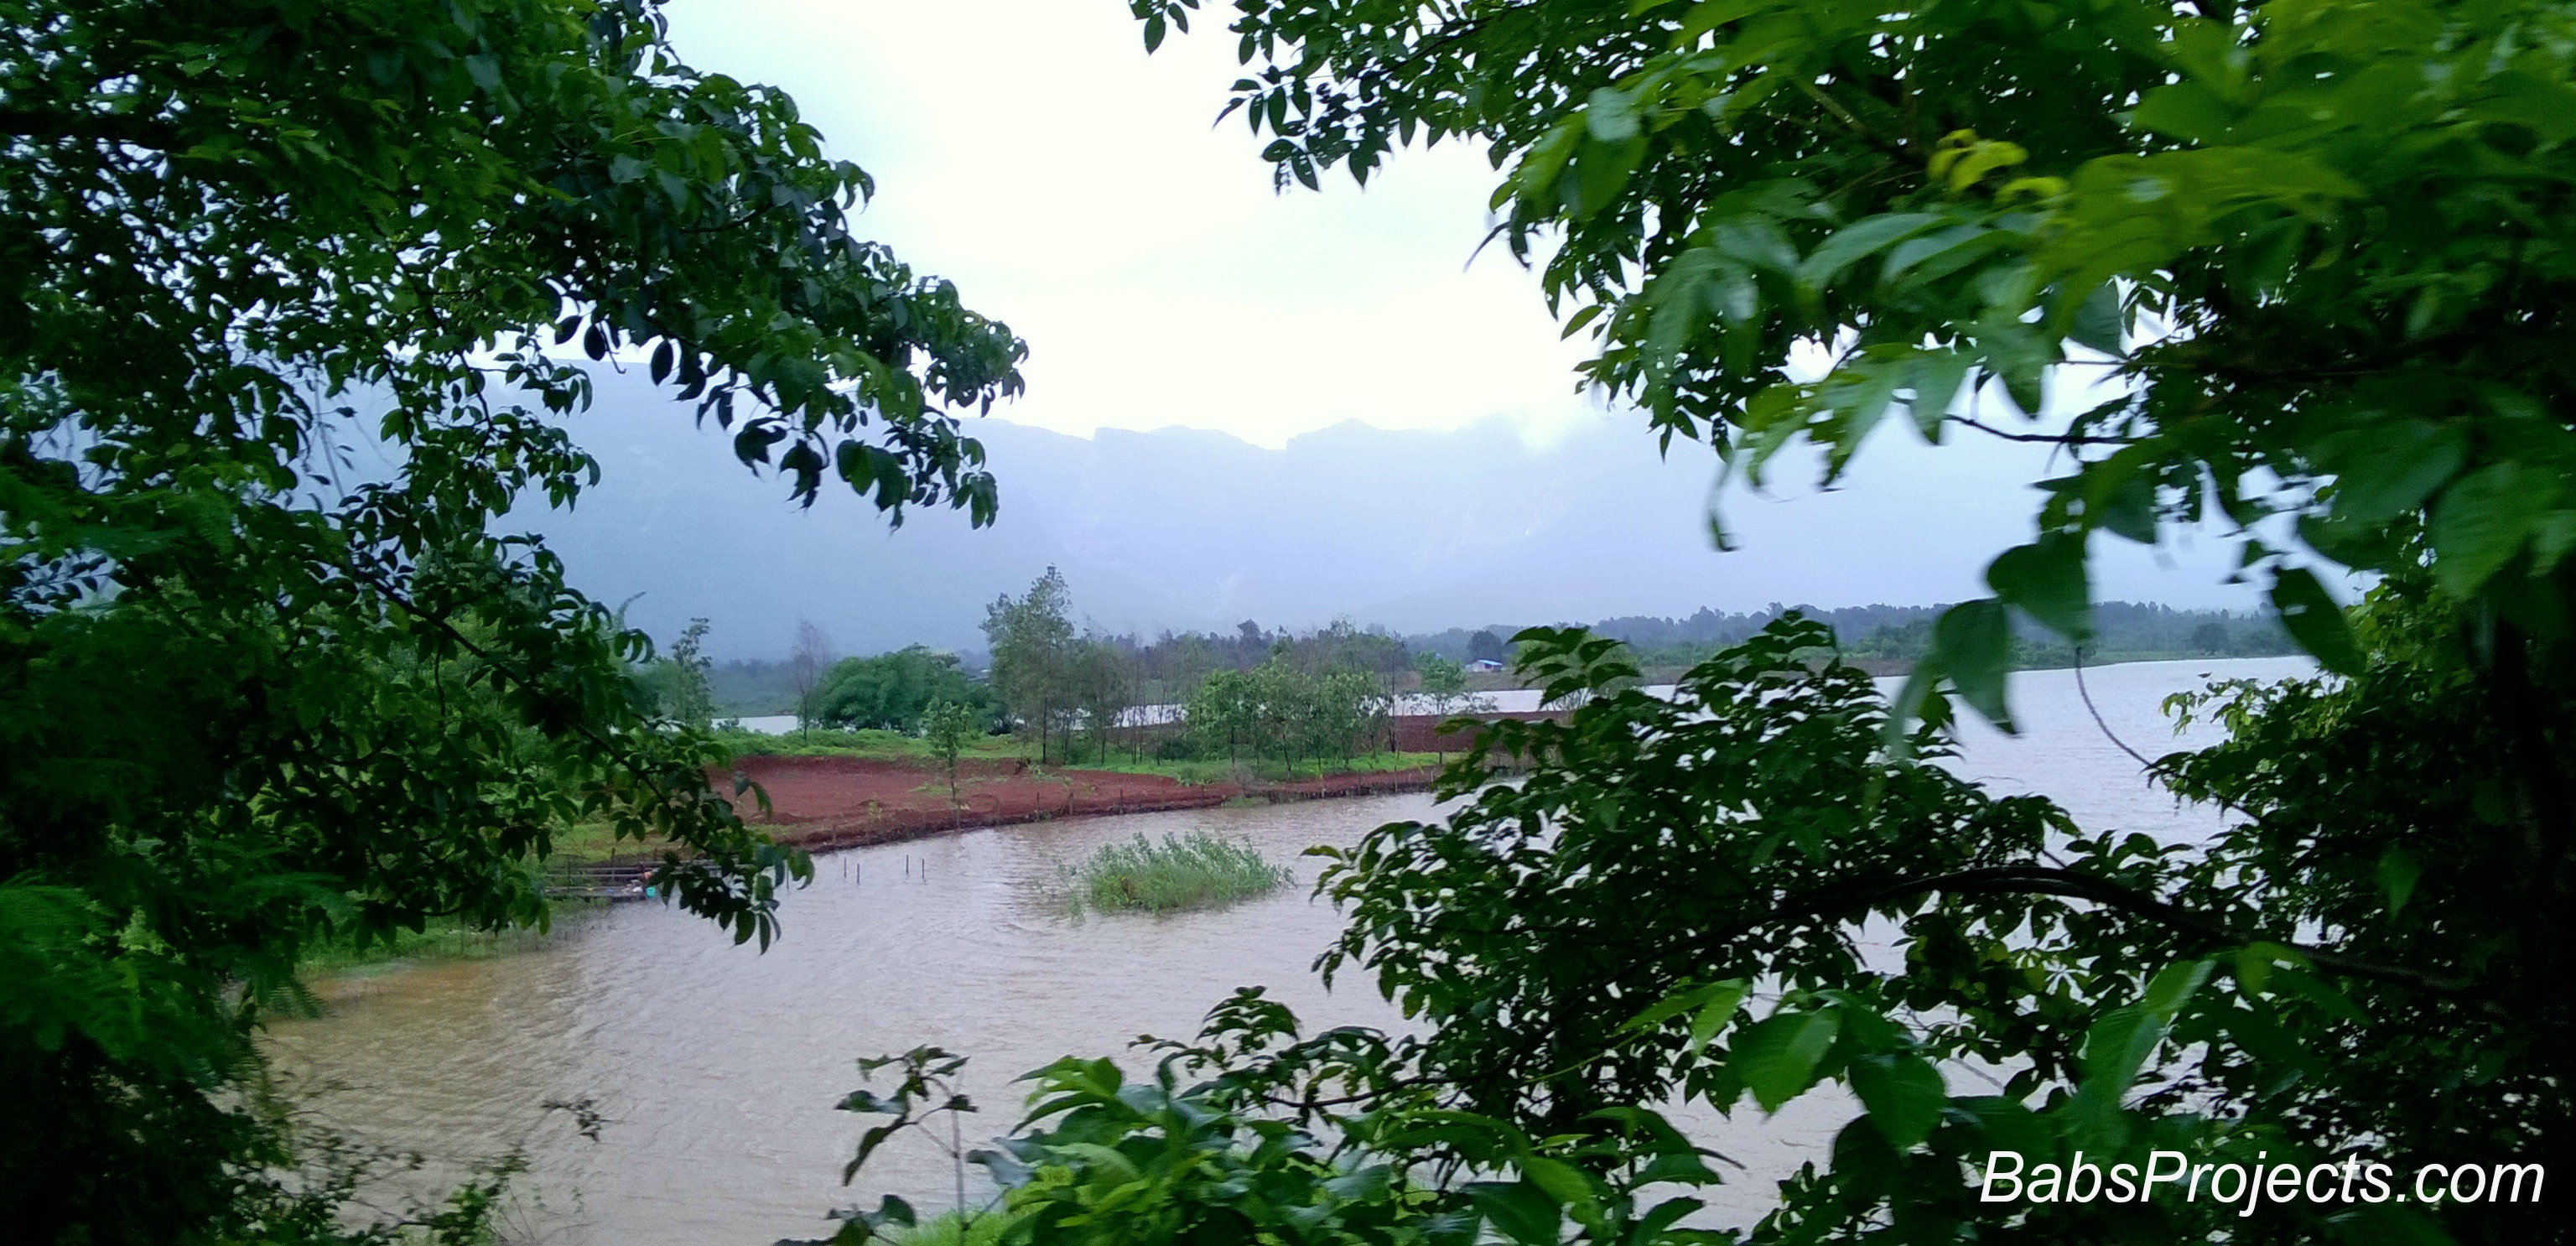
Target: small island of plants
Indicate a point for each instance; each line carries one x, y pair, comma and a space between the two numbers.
1194, 871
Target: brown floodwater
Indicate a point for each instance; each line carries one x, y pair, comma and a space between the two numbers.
716, 1066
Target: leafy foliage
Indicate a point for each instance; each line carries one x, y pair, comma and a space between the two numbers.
895, 691
678, 685
252, 696
1278, 710
949, 727
1034, 649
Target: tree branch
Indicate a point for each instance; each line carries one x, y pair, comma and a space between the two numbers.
2054, 439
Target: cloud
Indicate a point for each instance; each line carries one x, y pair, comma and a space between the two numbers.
1072, 185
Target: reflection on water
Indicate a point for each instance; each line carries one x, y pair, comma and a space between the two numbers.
717, 1065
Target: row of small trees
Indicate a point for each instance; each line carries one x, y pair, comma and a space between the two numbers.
1276, 711
1055, 681
1250, 696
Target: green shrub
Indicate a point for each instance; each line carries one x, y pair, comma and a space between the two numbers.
951, 1229
1199, 870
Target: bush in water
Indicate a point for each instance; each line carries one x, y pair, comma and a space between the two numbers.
1198, 870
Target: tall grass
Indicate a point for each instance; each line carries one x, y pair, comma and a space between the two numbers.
1198, 870
442, 939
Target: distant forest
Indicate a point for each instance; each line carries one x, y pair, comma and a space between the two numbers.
1884, 638
1883, 634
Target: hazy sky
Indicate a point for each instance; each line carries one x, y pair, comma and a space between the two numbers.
1031, 151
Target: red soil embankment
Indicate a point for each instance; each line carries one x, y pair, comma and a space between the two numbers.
842, 802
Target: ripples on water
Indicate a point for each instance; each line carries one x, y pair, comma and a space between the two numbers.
717, 1065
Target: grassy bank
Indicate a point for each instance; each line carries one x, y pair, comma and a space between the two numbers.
442, 940
1193, 871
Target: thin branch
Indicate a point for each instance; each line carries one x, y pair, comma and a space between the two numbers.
2054, 439
2087, 694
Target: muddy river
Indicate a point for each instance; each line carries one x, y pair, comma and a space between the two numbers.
716, 1066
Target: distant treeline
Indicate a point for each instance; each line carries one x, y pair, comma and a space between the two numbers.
1169, 669
2127, 631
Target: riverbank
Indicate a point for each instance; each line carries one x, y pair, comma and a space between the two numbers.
828, 803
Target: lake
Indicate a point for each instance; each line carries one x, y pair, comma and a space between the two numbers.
716, 1066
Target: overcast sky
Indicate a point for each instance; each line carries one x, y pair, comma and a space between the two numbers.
1031, 151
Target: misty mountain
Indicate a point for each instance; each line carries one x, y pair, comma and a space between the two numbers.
1180, 528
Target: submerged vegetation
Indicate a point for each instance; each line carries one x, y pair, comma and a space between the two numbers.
441, 939
1194, 871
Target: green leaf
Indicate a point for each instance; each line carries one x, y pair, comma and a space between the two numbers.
2184, 110
2397, 873
1716, 1012
2097, 324
2046, 579
1904, 1094
2120, 496
1519, 1210
2482, 520
1935, 380
1563, 1181
2389, 468
1857, 241
2173, 986
2314, 620
1776, 1059
1708, 15
1972, 642
1611, 116
1601, 171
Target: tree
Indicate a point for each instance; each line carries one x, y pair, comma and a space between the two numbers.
1032, 641
895, 691
1443, 683
689, 699
2317, 251
1443, 691
1221, 714
2210, 637
806, 663
949, 727
1485, 646
251, 700
1101, 682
